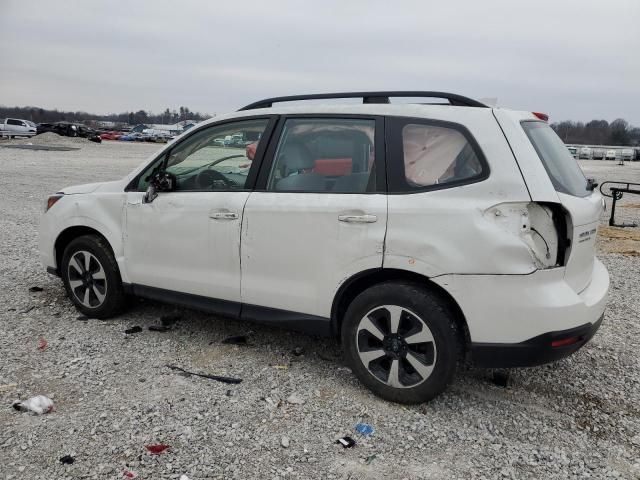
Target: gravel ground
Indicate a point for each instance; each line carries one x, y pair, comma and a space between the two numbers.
114, 394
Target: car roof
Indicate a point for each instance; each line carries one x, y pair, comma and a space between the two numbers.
403, 110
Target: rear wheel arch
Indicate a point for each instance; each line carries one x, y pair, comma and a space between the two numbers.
358, 283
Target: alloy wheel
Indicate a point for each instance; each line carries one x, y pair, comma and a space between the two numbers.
396, 346
87, 279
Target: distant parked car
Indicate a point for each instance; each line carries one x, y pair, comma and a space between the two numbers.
627, 154
597, 154
14, 127
573, 151
132, 137
611, 155
110, 135
585, 153
70, 129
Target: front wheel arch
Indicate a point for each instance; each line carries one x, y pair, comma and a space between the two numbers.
68, 235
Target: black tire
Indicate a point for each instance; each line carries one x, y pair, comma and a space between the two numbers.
114, 299
444, 352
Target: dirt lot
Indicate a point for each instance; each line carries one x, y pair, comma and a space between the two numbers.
574, 419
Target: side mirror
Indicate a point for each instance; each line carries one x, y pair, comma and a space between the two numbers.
161, 182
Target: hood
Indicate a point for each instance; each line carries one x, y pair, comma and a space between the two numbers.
115, 186
86, 188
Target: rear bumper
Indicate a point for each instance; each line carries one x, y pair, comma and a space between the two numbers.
514, 320
545, 348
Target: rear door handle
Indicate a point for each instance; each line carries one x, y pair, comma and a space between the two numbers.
358, 218
223, 215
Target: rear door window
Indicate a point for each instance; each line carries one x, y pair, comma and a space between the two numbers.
330, 155
562, 168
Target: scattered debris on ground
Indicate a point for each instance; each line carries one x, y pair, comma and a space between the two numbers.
157, 448
364, 429
136, 329
67, 460
35, 289
42, 344
217, 378
38, 405
346, 442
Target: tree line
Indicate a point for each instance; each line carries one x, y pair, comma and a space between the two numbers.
598, 132
42, 115
595, 132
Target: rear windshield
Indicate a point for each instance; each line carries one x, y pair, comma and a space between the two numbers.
562, 168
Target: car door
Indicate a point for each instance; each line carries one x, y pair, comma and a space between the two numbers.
317, 217
187, 240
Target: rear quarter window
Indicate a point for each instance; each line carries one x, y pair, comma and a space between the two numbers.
431, 155
562, 168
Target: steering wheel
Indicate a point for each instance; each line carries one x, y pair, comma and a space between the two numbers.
206, 178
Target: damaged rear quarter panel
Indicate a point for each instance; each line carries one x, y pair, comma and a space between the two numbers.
446, 231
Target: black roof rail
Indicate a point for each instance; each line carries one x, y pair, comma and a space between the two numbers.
369, 97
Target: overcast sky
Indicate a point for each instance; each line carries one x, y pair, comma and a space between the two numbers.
573, 59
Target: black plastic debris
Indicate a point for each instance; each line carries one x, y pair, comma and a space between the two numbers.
298, 351
169, 320
501, 378
36, 289
158, 328
136, 329
67, 460
217, 378
346, 442
235, 340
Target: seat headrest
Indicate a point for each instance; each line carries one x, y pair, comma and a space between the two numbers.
295, 157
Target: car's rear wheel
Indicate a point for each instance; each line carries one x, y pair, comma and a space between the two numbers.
401, 341
91, 277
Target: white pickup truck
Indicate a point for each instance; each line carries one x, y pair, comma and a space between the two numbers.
14, 127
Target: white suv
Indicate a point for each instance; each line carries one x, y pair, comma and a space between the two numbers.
419, 235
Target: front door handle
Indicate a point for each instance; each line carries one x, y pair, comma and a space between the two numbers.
223, 215
358, 218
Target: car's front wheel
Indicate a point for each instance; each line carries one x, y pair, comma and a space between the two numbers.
401, 341
91, 277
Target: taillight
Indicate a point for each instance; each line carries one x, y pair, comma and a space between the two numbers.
541, 116
51, 201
